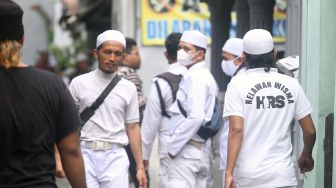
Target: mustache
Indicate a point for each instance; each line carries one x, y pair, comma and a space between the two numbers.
112, 62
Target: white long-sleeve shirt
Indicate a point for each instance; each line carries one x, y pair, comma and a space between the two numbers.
153, 121
197, 93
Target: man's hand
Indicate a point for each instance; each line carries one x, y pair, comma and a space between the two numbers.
229, 181
306, 163
142, 178
59, 168
171, 156
146, 164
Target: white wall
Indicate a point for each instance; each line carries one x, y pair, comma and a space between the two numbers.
35, 30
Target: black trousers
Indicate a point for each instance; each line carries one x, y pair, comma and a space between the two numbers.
132, 167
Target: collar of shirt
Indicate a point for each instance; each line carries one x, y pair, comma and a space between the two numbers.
194, 67
261, 70
126, 66
177, 69
241, 71
103, 76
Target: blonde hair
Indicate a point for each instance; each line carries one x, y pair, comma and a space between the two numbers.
10, 55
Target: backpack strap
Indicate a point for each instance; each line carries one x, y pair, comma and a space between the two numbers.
162, 105
173, 81
181, 109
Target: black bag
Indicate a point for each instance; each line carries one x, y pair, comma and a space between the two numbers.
89, 111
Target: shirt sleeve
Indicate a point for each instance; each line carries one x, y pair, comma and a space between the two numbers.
132, 109
67, 118
233, 105
73, 91
152, 119
303, 107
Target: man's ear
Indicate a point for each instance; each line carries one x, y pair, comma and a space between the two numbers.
125, 59
244, 57
95, 53
201, 55
275, 52
21, 41
241, 59
166, 55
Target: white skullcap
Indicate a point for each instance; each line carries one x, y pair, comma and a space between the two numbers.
258, 41
111, 35
196, 38
234, 46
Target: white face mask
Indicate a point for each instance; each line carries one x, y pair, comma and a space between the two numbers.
229, 68
184, 58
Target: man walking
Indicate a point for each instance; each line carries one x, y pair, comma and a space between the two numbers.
104, 135
156, 116
36, 111
195, 101
128, 70
260, 112
232, 64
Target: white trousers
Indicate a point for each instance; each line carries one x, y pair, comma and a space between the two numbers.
106, 169
190, 169
163, 172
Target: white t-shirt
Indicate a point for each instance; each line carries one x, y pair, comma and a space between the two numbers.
119, 107
268, 102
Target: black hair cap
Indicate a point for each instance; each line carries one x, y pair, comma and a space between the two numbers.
11, 27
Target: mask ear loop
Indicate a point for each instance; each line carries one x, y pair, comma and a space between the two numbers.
194, 56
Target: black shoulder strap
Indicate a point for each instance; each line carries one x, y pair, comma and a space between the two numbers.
163, 107
106, 91
181, 109
173, 80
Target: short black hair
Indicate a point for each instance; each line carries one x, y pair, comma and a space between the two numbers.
129, 44
171, 44
266, 61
